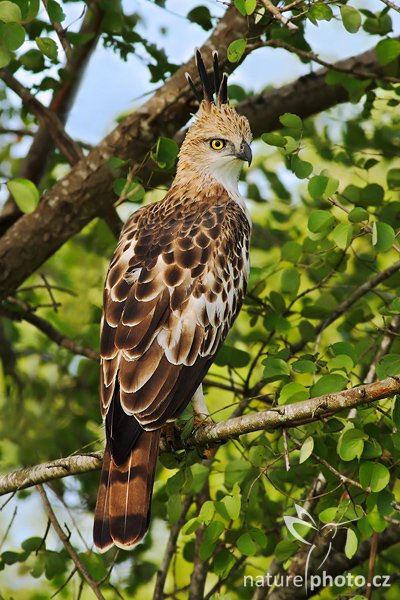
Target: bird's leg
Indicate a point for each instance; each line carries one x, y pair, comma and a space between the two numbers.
201, 417
200, 410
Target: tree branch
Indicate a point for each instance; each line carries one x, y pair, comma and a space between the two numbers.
343, 307
25, 312
290, 415
35, 162
276, 13
46, 117
67, 544
86, 191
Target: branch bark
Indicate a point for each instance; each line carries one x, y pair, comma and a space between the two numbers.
35, 163
290, 415
86, 191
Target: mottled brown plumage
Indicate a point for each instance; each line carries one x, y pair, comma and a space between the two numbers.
174, 287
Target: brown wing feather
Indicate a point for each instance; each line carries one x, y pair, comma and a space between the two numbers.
174, 287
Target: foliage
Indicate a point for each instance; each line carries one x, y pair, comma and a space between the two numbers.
324, 199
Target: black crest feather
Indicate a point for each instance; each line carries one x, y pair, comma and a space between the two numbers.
220, 85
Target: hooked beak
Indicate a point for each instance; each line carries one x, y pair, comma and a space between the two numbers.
245, 152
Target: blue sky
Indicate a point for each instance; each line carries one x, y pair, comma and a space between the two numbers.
111, 86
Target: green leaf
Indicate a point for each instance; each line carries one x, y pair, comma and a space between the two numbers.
328, 384
306, 449
24, 193
291, 121
246, 545
213, 531
396, 411
54, 565
389, 365
47, 46
328, 514
232, 505
236, 50
351, 444
320, 220
317, 186
95, 564
383, 236
291, 251
357, 215
285, 549
342, 362
5, 57
304, 366
202, 16
32, 544
351, 544
387, 50
191, 526
290, 282
12, 35
393, 179
10, 12
207, 512
55, 11
166, 153
275, 369
301, 168
174, 508
342, 235
351, 18
223, 563
232, 357
293, 392
274, 139
250, 6
374, 475
376, 521
241, 6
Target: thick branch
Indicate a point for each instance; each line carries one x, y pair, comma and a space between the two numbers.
35, 162
307, 96
290, 415
87, 190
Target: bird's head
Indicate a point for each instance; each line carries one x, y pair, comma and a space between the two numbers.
218, 142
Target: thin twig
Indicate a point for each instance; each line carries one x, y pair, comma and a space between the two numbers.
170, 551
275, 12
391, 5
7, 531
67, 544
59, 31
315, 58
371, 564
46, 117
25, 313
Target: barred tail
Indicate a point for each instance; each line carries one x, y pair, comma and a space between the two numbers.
124, 498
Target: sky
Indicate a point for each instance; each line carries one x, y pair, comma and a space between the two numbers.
111, 86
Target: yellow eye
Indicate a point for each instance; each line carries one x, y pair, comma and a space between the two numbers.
217, 144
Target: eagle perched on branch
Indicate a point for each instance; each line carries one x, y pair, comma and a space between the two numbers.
174, 287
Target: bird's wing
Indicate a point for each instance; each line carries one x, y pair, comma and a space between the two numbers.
174, 287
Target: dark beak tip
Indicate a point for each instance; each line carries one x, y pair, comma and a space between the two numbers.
247, 153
